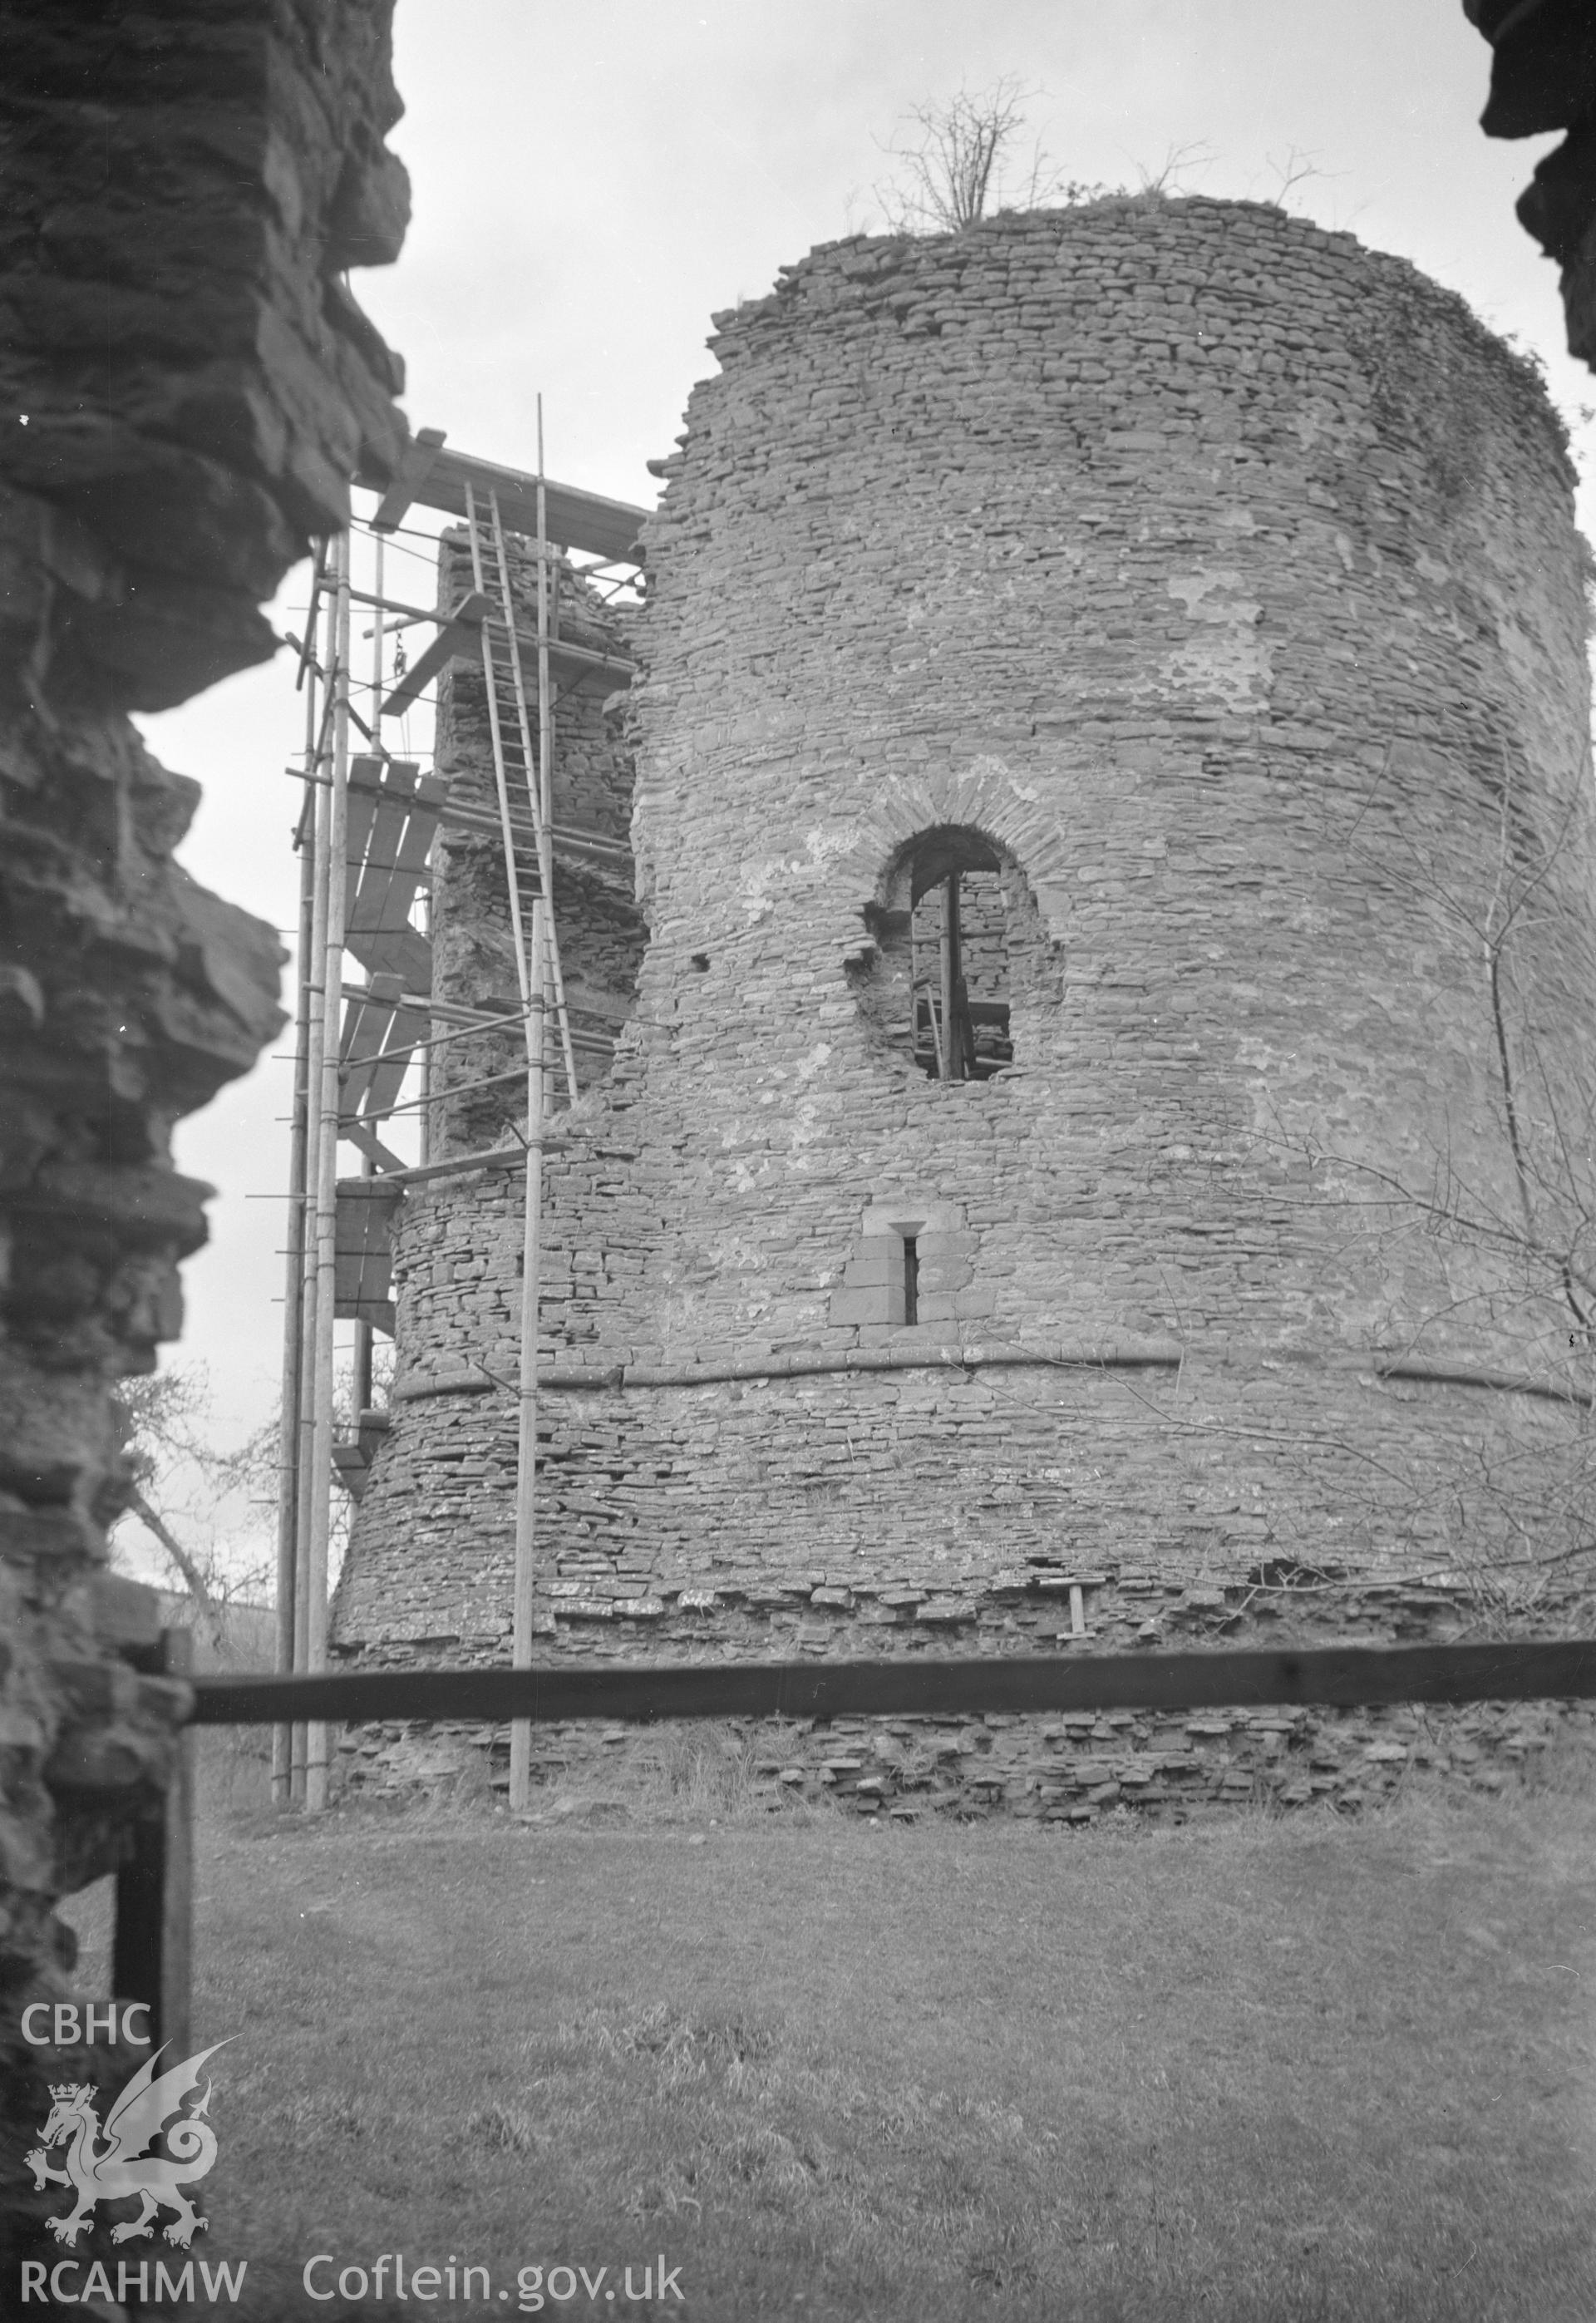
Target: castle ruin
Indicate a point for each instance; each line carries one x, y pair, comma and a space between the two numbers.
1096, 1142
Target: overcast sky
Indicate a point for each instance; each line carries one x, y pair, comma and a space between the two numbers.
590, 182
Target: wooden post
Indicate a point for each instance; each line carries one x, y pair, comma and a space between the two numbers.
547, 582
361, 1397
542, 955
327, 1195
524, 1600
952, 1050
377, 613
913, 988
152, 1948
363, 1336
538, 971
424, 1110
293, 1321
314, 979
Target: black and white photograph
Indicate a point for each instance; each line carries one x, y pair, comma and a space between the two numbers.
797, 1160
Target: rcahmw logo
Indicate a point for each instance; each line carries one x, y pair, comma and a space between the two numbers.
116, 2164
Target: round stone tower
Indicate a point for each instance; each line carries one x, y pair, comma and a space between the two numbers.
1102, 1144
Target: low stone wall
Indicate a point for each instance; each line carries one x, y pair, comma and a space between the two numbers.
1064, 1767
1164, 1766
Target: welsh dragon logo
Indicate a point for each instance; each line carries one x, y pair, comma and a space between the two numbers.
125, 2168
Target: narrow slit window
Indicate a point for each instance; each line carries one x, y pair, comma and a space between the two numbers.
911, 1280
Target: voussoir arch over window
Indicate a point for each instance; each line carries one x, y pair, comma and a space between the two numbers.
953, 928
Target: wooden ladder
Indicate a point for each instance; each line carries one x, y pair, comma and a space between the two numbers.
524, 786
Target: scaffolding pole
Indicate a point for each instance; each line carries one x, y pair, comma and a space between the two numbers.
336, 802
287, 1432
524, 1604
545, 958
545, 769
312, 976
361, 1397
528, 944
301, 1752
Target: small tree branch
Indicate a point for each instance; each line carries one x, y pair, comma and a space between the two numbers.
1509, 1101
954, 170
194, 1579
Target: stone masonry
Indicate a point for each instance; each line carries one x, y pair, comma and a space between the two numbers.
188, 389
1203, 589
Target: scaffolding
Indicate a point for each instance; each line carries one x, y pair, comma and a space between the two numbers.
365, 838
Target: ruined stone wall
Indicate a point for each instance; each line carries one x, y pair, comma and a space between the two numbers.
1542, 77
187, 389
1216, 580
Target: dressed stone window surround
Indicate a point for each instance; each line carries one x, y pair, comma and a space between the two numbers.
908, 1251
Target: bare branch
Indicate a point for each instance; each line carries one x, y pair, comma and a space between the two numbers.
1176, 161
193, 1576
955, 162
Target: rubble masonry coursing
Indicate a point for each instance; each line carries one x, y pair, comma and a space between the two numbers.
1203, 590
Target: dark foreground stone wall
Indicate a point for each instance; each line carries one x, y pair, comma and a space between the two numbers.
185, 388
1542, 77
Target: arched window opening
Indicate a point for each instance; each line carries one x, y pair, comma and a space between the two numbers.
955, 943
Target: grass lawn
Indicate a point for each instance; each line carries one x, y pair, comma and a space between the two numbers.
1260, 2069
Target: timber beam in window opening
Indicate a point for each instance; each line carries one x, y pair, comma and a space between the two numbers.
958, 1026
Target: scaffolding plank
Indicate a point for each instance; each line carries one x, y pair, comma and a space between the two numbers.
363, 1276
576, 518
571, 663
352, 1468
404, 875
373, 848
398, 815
376, 1049
367, 1013
376, 1074
369, 1144
403, 953
365, 788
388, 1071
